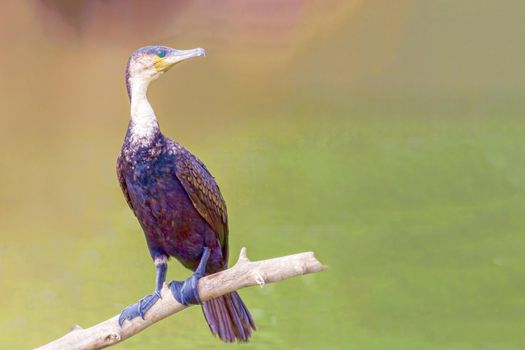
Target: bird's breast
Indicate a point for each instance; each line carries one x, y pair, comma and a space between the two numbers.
165, 211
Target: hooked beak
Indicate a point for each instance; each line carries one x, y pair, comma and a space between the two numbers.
175, 56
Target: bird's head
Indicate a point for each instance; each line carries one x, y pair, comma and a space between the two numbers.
150, 62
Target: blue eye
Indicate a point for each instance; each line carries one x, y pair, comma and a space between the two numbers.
161, 53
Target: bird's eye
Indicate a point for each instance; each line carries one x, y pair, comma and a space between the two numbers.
161, 53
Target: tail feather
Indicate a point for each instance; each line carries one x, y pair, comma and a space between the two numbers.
241, 309
229, 318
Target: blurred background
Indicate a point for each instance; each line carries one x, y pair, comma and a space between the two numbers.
386, 136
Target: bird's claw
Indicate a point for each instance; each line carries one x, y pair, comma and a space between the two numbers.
140, 308
186, 292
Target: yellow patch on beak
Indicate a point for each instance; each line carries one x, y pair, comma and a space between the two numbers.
161, 65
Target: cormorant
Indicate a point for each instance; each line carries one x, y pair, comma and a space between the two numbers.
176, 201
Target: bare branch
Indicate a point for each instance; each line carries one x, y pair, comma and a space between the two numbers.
244, 273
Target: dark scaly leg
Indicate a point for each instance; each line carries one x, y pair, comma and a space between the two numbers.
186, 292
144, 304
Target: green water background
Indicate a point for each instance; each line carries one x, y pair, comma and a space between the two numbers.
387, 138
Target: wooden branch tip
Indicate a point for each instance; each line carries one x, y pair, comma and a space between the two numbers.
244, 273
243, 256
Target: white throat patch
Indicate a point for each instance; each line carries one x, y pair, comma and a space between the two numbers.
144, 123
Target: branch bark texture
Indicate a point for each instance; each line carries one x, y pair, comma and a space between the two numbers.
244, 273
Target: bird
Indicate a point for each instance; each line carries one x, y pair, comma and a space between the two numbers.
176, 201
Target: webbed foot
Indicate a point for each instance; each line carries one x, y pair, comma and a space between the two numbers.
140, 308
144, 304
186, 292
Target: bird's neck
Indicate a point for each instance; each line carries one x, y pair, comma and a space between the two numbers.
143, 126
